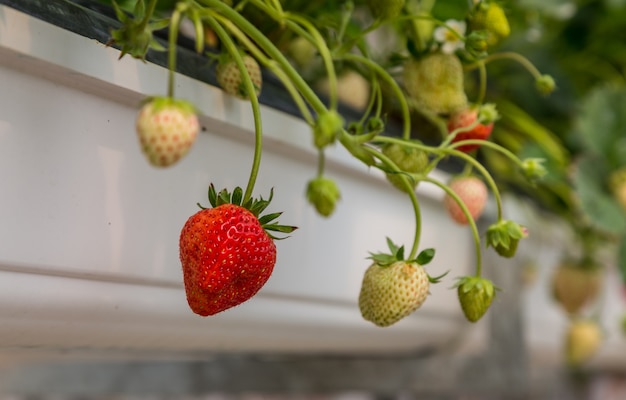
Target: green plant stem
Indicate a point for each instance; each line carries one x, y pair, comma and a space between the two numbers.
470, 220
411, 192
382, 73
442, 152
529, 66
171, 51
482, 89
321, 163
270, 65
324, 53
272, 51
148, 16
230, 46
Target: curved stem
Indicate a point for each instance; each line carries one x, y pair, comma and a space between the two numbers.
482, 89
324, 53
459, 154
380, 71
530, 67
470, 220
148, 15
270, 65
254, 102
415, 203
272, 51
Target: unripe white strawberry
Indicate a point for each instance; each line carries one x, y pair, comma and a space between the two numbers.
472, 192
230, 79
392, 287
167, 128
390, 293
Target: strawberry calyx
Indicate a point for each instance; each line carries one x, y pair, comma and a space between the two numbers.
475, 295
255, 206
135, 35
504, 237
163, 102
396, 254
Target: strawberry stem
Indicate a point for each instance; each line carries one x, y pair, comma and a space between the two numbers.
482, 89
231, 48
411, 192
381, 72
148, 16
172, 39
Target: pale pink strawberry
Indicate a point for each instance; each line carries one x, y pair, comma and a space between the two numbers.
472, 192
230, 79
167, 128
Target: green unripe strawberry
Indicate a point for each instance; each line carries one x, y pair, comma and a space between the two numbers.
545, 84
385, 9
408, 159
436, 83
475, 295
323, 193
327, 128
490, 17
504, 237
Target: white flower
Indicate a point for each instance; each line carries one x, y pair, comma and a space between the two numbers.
446, 36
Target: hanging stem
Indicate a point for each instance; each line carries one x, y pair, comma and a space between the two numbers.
381, 72
482, 89
172, 41
148, 16
231, 48
409, 189
266, 44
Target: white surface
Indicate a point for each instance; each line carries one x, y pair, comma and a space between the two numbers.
89, 232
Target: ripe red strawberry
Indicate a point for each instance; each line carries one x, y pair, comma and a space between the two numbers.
167, 128
230, 79
393, 288
227, 255
472, 192
464, 119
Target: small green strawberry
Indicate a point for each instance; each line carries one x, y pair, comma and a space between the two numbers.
490, 17
436, 83
393, 288
533, 169
167, 128
545, 84
504, 237
327, 128
230, 80
472, 192
323, 193
475, 295
385, 9
409, 160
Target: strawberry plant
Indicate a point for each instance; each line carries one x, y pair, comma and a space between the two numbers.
423, 78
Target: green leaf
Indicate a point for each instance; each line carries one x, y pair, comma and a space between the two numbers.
212, 195
599, 206
425, 256
237, 196
601, 124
